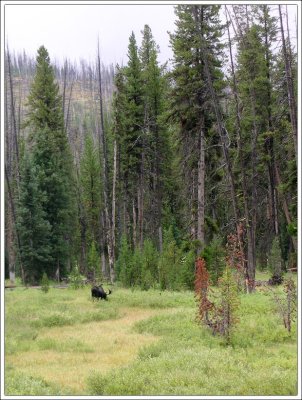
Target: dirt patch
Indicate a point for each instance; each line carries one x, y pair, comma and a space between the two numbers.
113, 342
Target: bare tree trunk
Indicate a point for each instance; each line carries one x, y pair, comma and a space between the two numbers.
252, 223
221, 128
285, 206
68, 107
58, 271
103, 245
193, 210
83, 247
237, 31
201, 187
104, 171
269, 146
158, 197
289, 41
8, 147
12, 207
290, 88
10, 243
13, 115
247, 17
114, 198
140, 203
248, 259
296, 24
134, 224
160, 239
9, 221
82, 221
103, 263
64, 87
125, 219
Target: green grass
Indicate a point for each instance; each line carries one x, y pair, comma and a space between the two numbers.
30, 310
153, 299
21, 384
154, 346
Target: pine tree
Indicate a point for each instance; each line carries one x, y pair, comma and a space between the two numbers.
123, 263
134, 111
275, 260
268, 34
119, 128
253, 90
142, 143
285, 163
169, 264
44, 283
44, 101
51, 155
134, 136
198, 27
186, 276
149, 272
155, 145
93, 261
33, 228
214, 256
91, 188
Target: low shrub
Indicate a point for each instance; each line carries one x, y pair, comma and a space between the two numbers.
44, 283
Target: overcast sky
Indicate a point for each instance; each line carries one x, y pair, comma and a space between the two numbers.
71, 31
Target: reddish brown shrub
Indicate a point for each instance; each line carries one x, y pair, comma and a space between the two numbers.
201, 286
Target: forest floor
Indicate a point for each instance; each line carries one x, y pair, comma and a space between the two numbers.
141, 343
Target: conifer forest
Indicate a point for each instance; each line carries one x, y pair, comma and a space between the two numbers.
173, 184
131, 172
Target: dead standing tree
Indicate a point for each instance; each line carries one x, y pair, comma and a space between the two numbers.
289, 83
12, 170
104, 171
223, 134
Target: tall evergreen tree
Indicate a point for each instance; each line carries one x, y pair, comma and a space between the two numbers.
192, 105
44, 101
90, 185
142, 141
33, 227
253, 89
285, 162
134, 110
52, 156
131, 139
155, 145
268, 32
119, 130
91, 188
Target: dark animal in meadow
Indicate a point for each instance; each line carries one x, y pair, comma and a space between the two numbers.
99, 293
275, 280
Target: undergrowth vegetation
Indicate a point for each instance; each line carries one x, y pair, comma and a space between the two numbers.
189, 360
171, 353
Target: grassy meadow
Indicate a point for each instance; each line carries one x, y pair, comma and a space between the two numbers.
141, 343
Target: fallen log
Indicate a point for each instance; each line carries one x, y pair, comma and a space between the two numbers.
36, 287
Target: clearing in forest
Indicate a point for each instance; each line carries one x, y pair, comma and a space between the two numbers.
141, 343
67, 355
